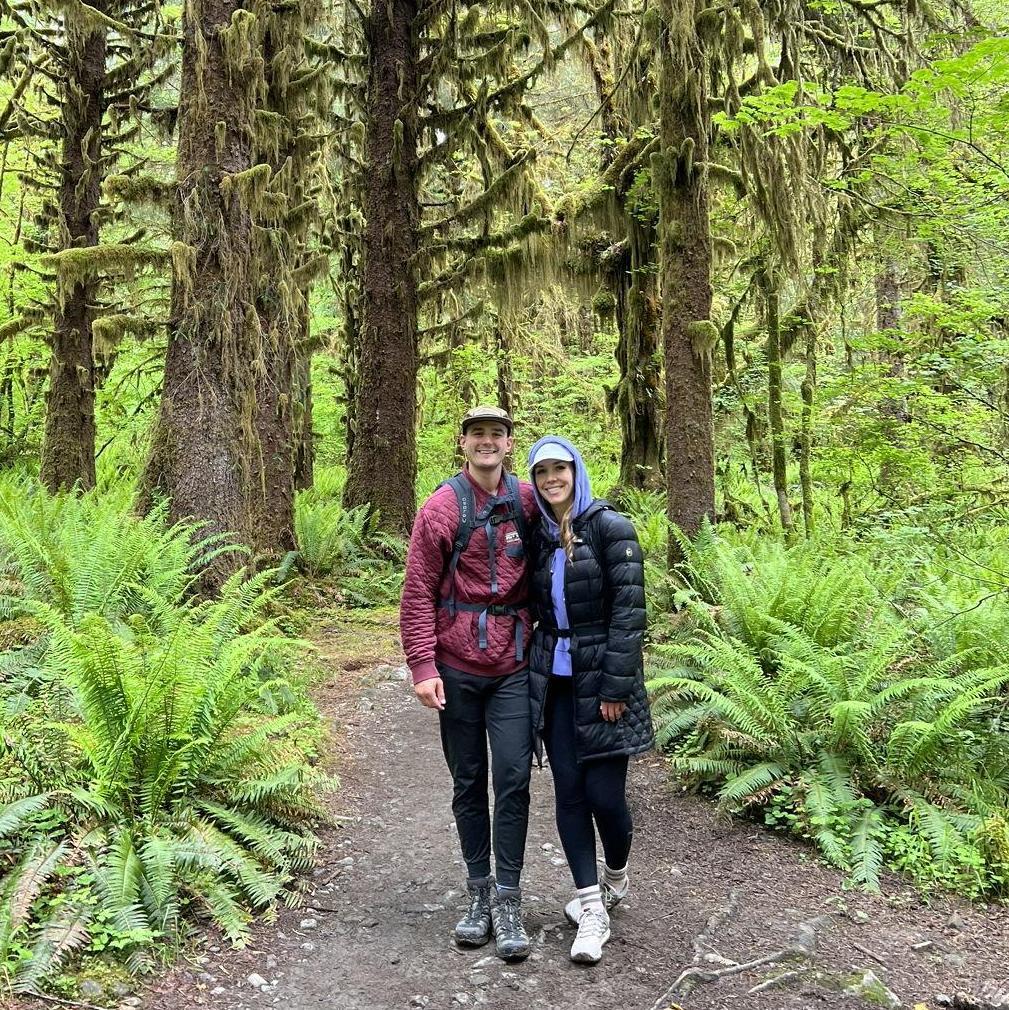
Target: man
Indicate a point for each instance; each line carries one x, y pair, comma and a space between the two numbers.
464, 623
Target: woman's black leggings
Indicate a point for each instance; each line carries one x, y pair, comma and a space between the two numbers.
594, 790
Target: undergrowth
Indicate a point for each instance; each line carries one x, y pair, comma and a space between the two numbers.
155, 755
852, 693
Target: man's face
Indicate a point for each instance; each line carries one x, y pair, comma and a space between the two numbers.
485, 444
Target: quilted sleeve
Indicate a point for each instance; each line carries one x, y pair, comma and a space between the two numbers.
430, 548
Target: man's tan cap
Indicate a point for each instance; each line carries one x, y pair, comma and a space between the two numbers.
486, 413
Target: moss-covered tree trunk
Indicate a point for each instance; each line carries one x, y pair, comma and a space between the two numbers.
889, 312
808, 392
888, 307
775, 415
382, 464
503, 367
273, 493
284, 143
204, 439
304, 448
68, 448
638, 395
688, 335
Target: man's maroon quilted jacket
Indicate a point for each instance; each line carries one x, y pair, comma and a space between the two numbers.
430, 633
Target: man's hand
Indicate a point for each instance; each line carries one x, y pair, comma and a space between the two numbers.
431, 693
612, 710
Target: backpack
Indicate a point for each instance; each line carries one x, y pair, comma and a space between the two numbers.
489, 520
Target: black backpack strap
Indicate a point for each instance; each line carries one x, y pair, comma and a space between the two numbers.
586, 532
515, 493
466, 501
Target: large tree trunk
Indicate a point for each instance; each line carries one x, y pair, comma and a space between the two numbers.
382, 466
889, 312
304, 447
204, 441
638, 395
636, 400
688, 335
68, 448
888, 307
273, 493
281, 300
503, 367
808, 392
775, 417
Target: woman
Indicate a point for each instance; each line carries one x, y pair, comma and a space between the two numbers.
585, 677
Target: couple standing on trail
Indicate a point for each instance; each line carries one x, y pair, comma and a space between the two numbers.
491, 556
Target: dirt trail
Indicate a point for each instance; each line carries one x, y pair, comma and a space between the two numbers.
705, 891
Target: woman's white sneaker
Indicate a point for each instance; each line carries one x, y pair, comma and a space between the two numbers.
611, 898
593, 932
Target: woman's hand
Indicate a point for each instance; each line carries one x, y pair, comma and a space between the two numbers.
612, 710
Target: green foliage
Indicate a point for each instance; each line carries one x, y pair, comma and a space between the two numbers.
347, 546
85, 556
801, 689
154, 779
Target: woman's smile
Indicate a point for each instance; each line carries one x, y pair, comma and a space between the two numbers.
555, 480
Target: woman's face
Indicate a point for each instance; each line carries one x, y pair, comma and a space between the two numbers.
555, 481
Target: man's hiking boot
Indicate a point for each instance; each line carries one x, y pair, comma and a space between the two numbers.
510, 935
611, 898
473, 929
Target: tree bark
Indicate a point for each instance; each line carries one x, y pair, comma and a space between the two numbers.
283, 251
688, 336
503, 367
204, 440
638, 395
806, 432
68, 448
304, 451
273, 494
888, 308
888, 319
382, 466
774, 413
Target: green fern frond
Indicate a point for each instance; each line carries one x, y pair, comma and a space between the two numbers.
867, 848
13, 816
56, 940
743, 787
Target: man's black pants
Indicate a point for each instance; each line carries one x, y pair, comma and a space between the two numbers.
478, 709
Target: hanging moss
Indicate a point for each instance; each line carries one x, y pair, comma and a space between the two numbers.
604, 304
249, 186
75, 266
703, 335
89, 19
242, 43
140, 189
12, 327
183, 258
527, 226
109, 331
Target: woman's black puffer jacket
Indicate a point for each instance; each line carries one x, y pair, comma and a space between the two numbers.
604, 594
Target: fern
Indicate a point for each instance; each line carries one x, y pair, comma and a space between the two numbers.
14, 815
867, 847
56, 939
152, 767
800, 689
